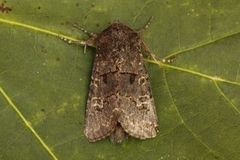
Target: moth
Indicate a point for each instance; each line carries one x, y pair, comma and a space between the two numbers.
120, 100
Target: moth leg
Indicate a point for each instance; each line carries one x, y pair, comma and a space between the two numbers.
147, 52
89, 42
145, 48
145, 27
69, 41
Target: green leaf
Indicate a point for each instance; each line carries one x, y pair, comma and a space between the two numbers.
44, 81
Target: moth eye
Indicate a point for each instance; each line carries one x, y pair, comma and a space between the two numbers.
105, 78
132, 78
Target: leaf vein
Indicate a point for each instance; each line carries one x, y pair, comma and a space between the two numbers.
67, 141
28, 125
198, 45
213, 78
226, 98
19, 24
184, 123
142, 9
210, 22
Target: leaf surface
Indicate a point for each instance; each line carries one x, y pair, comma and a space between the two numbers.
44, 81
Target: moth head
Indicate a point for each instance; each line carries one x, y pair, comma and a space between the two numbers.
119, 30
117, 37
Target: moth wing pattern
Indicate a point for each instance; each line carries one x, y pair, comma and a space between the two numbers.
100, 121
138, 115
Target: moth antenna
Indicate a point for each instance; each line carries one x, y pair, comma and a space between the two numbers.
91, 34
89, 42
145, 27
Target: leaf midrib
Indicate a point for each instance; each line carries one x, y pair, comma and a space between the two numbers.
214, 78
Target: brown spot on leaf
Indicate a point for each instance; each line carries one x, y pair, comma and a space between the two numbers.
4, 8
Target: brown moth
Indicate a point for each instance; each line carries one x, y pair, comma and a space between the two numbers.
120, 100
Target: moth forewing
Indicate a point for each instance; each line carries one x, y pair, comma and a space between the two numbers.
120, 93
